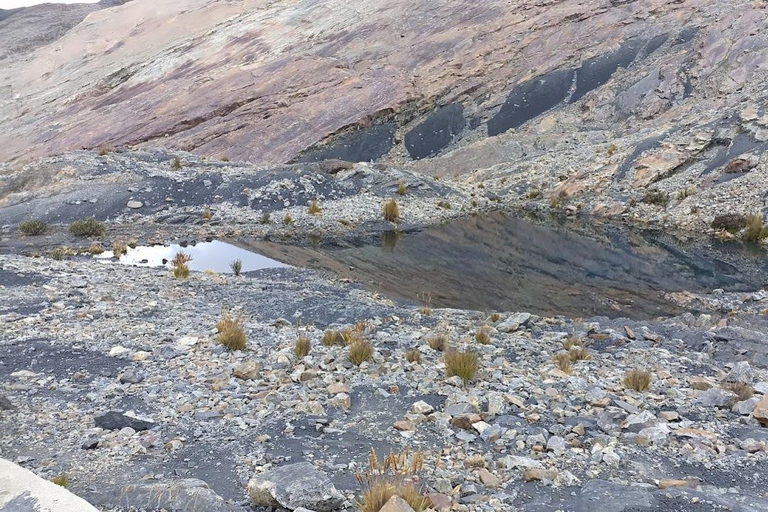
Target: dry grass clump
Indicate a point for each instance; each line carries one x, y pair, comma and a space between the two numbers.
394, 476
95, 249
119, 249
180, 264
656, 197
483, 335
563, 361
61, 480
236, 266
391, 211
332, 337
87, 227
104, 149
742, 390
461, 364
207, 214
444, 204
314, 208
495, 317
572, 341
302, 347
579, 354
401, 190
287, 220
57, 253
176, 164
33, 227
413, 355
359, 352
755, 230
637, 379
231, 332
438, 342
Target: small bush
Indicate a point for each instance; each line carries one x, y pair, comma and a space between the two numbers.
176, 164
180, 264
729, 222
401, 190
314, 208
87, 227
104, 149
413, 355
743, 390
207, 214
461, 364
483, 335
33, 227
119, 249
95, 249
287, 220
61, 480
438, 342
302, 347
563, 361
231, 332
332, 337
637, 379
391, 211
656, 197
755, 230
393, 476
236, 266
359, 352
57, 253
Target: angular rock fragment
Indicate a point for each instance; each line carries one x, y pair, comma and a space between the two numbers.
294, 486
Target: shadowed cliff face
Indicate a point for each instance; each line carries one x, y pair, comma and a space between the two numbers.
503, 263
285, 80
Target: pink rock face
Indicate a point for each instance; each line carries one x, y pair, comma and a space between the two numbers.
266, 80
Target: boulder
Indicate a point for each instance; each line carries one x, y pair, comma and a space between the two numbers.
189, 495
294, 486
21, 491
760, 412
396, 504
114, 420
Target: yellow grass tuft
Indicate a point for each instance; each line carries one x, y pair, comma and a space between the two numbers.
461, 364
231, 332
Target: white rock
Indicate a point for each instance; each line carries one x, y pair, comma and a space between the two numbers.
134, 205
21, 489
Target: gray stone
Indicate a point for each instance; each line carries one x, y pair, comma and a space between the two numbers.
514, 322
745, 407
114, 420
610, 497
556, 444
134, 205
294, 486
5, 404
715, 397
189, 495
740, 372
640, 421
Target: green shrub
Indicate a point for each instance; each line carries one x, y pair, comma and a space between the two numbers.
755, 231
87, 227
33, 227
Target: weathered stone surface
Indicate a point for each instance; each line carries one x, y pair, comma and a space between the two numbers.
114, 420
760, 412
23, 491
293, 486
189, 495
611, 497
396, 504
5, 403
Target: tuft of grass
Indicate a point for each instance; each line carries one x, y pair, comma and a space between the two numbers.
579, 354
119, 249
176, 164
33, 227
563, 361
104, 149
391, 211
755, 230
637, 379
87, 227
266, 218
359, 352
332, 337
686, 192
743, 390
426, 310
413, 355
287, 220
495, 317
401, 189
572, 341
461, 364
236, 266
656, 197
444, 204
180, 264
61, 480
730, 222
231, 332
207, 214
314, 208
483, 335
57, 253
302, 347
95, 249
438, 342
393, 476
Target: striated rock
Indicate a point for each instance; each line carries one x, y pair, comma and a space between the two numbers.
538, 474
21, 491
293, 486
716, 397
189, 495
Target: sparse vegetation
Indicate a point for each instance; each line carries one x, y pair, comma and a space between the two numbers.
33, 227
57, 253
266, 218
180, 264
231, 332
391, 211
207, 214
461, 364
444, 204
236, 266
401, 189
176, 164
495, 317
686, 192
287, 220
394, 476
438, 342
359, 352
563, 362
534, 193
413, 355
483, 335
94, 249
314, 208
119, 249
572, 341
87, 227
426, 309
729, 222
637, 379
755, 230
332, 337
61, 480
302, 347
742, 390
579, 354
612, 149
656, 197
104, 149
